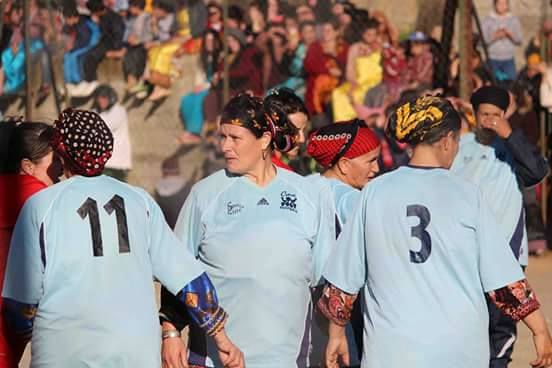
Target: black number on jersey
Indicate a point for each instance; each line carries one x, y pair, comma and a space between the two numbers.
90, 208
420, 232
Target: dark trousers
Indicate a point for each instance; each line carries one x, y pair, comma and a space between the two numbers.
134, 62
502, 334
91, 60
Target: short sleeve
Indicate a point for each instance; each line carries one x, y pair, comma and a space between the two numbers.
498, 266
346, 267
324, 242
173, 265
24, 276
188, 225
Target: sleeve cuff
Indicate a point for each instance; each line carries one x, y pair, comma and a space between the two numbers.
516, 300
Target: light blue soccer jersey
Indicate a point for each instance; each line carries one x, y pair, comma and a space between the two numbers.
425, 247
345, 196
491, 168
345, 199
86, 251
263, 249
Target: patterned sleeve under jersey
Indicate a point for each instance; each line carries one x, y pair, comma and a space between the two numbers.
516, 300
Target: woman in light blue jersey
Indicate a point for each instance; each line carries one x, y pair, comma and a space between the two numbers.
348, 152
263, 235
425, 249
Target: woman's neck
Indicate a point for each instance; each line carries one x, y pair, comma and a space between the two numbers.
335, 174
263, 174
424, 156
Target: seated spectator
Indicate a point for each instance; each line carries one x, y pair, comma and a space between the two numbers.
298, 42
244, 74
12, 71
388, 33
324, 67
395, 67
214, 17
363, 73
162, 49
276, 70
420, 62
82, 35
192, 19
112, 29
138, 34
191, 105
115, 116
502, 33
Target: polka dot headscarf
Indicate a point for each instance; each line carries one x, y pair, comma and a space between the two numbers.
83, 138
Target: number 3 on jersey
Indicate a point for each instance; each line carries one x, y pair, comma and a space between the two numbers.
90, 208
420, 232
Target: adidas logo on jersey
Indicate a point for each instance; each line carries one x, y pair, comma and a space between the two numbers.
263, 202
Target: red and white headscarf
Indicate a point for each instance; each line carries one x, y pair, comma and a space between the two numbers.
344, 139
83, 138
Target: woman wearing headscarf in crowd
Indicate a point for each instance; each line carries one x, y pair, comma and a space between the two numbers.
106, 104
244, 73
426, 253
288, 103
28, 165
267, 292
191, 105
324, 67
348, 154
363, 73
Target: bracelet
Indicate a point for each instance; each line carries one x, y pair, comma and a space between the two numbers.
170, 333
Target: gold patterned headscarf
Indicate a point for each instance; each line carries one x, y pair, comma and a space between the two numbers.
423, 119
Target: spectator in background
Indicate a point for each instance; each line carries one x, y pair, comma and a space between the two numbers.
112, 29
276, 71
530, 78
191, 105
214, 17
363, 73
82, 35
324, 67
502, 32
244, 73
138, 33
420, 62
162, 49
106, 104
12, 71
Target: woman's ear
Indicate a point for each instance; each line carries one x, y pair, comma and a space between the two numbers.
343, 165
27, 166
266, 140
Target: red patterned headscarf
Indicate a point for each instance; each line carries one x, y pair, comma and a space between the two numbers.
83, 138
344, 139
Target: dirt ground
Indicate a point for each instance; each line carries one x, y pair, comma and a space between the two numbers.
540, 276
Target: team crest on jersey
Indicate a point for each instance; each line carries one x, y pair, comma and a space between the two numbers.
289, 201
263, 202
234, 208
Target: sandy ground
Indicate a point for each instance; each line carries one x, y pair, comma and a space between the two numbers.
540, 276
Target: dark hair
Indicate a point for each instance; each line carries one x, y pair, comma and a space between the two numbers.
308, 23
27, 140
141, 4
211, 61
258, 117
235, 12
286, 100
70, 11
105, 90
95, 6
167, 5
